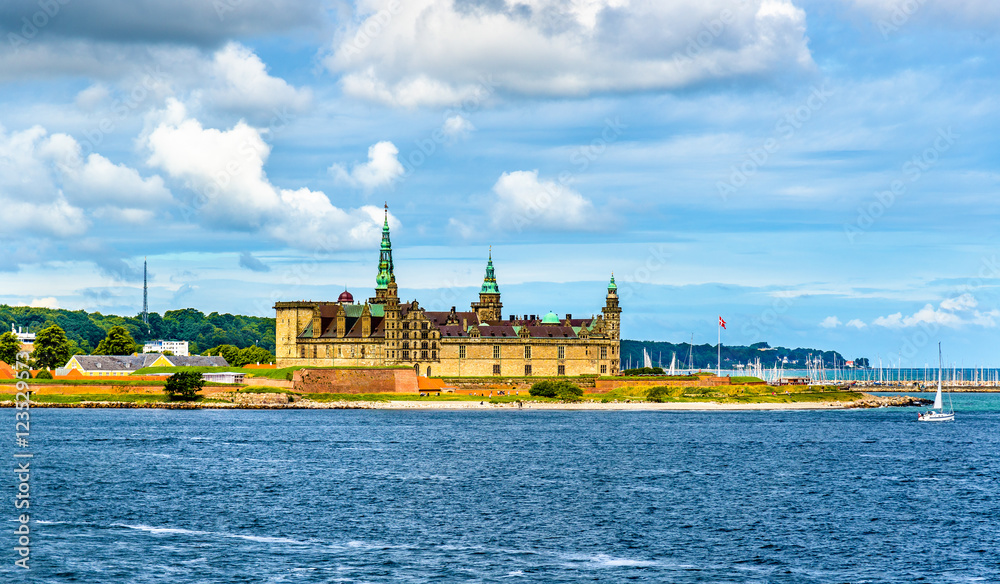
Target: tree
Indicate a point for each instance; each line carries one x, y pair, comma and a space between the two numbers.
52, 349
43, 374
118, 342
184, 386
862, 363
9, 348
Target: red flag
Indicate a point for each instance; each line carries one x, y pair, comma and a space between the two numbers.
722, 323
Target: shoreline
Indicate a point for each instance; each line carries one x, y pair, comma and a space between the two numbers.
867, 402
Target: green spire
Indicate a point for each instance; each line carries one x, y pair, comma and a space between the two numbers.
385, 273
612, 286
490, 281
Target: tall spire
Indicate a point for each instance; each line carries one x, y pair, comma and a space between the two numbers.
385, 268
490, 281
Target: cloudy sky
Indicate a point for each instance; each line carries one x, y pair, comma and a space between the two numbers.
821, 173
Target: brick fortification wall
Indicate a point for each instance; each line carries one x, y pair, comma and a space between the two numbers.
355, 381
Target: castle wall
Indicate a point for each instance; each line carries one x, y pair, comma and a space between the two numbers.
355, 381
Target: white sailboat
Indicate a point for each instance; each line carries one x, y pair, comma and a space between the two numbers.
646, 360
937, 413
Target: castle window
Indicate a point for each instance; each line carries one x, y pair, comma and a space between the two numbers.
527, 370
527, 353
434, 345
406, 325
496, 369
423, 354
406, 344
406, 355
604, 354
428, 371
362, 352
461, 351
562, 370
604, 369
562, 352
496, 352
423, 345
314, 351
423, 335
434, 355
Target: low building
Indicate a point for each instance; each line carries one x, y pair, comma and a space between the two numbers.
224, 377
119, 365
26, 339
179, 348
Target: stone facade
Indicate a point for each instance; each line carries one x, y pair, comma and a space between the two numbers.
479, 342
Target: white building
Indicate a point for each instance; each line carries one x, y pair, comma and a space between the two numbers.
179, 348
24, 337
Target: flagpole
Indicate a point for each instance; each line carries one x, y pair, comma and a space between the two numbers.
719, 363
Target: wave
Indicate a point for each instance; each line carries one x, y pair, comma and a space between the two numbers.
179, 531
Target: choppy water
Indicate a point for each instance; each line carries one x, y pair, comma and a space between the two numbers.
511, 496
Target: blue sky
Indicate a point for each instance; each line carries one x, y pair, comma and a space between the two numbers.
821, 174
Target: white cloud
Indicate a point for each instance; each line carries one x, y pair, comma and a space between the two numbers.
952, 312
524, 201
382, 168
856, 323
963, 302
48, 190
436, 52
830, 322
457, 127
90, 98
241, 83
225, 168
47, 302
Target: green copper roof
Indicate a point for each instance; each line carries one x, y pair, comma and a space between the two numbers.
551, 318
385, 273
612, 285
490, 281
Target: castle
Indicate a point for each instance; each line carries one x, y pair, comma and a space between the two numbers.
475, 343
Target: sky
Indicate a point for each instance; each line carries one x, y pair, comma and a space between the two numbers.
820, 173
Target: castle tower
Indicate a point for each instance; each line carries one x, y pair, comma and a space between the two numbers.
392, 322
489, 306
385, 272
612, 312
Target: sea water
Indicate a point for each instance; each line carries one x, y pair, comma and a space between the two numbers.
163, 496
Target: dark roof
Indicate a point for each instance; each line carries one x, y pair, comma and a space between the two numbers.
199, 361
135, 362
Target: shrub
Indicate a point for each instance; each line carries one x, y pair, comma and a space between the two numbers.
184, 386
561, 389
656, 394
43, 374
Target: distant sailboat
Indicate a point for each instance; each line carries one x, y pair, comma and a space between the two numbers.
646, 360
673, 364
937, 413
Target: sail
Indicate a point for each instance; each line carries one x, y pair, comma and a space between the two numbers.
938, 402
647, 361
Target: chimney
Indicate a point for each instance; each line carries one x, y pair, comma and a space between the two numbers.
569, 316
465, 324
513, 317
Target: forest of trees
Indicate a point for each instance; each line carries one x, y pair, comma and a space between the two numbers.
705, 356
86, 330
